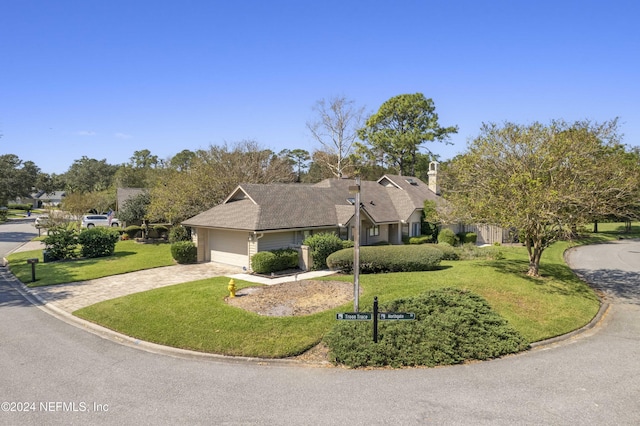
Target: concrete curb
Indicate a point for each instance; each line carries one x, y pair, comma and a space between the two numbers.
131, 342
128, 341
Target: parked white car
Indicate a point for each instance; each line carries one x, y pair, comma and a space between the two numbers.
42, 221
91, 220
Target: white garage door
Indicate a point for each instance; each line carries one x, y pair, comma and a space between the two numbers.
229, 247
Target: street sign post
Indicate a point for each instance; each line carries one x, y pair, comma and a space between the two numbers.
354, 316
375, 316
387, 316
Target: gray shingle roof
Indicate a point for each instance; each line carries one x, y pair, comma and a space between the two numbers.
258, 207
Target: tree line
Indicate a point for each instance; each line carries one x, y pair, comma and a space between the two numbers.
543, 180
193, 181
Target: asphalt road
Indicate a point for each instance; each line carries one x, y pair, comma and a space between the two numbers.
53, 372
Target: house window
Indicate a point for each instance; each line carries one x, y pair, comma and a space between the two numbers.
415, 229
374, 231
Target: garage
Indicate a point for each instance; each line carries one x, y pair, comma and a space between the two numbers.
229, 247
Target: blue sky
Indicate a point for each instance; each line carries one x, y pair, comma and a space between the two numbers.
107, 78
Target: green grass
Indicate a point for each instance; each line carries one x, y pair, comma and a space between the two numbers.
128, 257
195, 316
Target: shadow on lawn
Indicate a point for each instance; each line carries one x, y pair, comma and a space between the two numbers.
554, 278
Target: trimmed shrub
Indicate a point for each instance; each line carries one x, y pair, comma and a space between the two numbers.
266, 262
446, 235
448, 252
347, 243
3, 213
322, 245
451, 326
61, 242
98, 242
382, 259
179, 233
133, 231
184, 252
161, 231
25, 207
467, 237
422, 239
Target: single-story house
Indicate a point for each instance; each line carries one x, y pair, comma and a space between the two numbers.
41, 199
124, 194
258, 217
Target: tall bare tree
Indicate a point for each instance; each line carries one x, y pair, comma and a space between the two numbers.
336, 129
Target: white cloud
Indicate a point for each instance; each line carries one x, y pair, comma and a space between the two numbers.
85, 133
123, 136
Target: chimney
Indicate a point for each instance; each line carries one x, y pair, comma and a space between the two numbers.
433, 177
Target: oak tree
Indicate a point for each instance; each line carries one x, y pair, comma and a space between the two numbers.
542, 180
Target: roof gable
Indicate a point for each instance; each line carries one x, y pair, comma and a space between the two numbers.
265, 207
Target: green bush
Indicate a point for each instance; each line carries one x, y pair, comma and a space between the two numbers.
451, 326
133, 231
471, 251
446, 235
161, 231
184, 252
61, 242
448, 252
98, 242
322, 245
25, 207
379, 259
467, 237
347, 243
266, 262
179, 233
3, 213
422, 239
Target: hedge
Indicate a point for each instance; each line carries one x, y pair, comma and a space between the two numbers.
184, 252
98, 242
266, 262
467, 237
422, 239
377, 259
132, 231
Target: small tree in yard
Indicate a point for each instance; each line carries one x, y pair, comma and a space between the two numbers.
135, 208
542, 180
61, 242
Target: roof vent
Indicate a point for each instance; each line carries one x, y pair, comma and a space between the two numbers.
412, 182
351, 201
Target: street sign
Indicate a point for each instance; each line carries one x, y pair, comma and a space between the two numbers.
355, 316
387, 316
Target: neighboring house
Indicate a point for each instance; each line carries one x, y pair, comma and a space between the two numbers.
124, 194
258, 217
41, 199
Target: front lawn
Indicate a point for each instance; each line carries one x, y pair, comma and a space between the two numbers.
195, 316
129, 256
